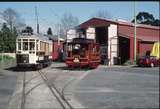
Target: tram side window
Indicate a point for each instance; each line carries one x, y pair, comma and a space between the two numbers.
25, 45
37, 44
31, 46
19, 45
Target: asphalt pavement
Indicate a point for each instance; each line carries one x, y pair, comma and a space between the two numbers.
119, 87
8, 81
104, 87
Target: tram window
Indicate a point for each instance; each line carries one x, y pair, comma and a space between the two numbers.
37, 44
69, 47
82, 52
19, 45
31, 40
25, 40
25, 45
31, 46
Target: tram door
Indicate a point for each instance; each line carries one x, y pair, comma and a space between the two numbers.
102, 39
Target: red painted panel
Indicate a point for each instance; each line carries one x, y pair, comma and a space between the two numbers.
55, 53
132, 49
145, 34
145, 47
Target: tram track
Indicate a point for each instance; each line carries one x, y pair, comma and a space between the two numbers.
59, 96
23, 98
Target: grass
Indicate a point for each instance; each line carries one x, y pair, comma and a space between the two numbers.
6, 58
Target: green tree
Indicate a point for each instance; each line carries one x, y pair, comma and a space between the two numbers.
146, 18
1, 42
8, 39
5, 37
156, 22
12, 44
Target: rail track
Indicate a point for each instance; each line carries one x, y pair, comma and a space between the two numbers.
54, 90
23, 99
60, 97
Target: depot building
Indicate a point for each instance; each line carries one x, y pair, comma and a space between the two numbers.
116, 38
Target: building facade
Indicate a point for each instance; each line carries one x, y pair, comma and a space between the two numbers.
116, 38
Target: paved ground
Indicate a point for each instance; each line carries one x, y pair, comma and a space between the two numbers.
119, 87
38, 95
7, 86
104, 87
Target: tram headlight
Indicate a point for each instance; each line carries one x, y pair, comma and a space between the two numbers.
76, 60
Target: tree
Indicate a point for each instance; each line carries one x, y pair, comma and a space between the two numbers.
102, 14
67, 22
28, 29
156, 22
146, 18
12, 18
8, 39
49, 32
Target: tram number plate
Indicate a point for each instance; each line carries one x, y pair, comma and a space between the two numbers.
76, 60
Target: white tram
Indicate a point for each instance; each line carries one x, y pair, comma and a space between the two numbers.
33, 50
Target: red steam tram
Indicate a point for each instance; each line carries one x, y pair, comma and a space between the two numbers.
83, 52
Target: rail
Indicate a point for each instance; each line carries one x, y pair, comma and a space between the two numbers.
60, 97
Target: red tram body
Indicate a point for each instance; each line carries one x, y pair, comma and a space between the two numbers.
56, 49
83, 52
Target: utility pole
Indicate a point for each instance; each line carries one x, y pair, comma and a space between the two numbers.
59, 35
36, 15
135, 33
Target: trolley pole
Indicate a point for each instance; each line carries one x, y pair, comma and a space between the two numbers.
135, 42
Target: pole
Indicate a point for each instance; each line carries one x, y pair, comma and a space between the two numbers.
135, 43
36, 15
59, 36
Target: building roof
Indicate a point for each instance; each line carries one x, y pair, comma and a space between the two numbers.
96, 21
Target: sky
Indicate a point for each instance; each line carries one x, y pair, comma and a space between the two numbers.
50, 12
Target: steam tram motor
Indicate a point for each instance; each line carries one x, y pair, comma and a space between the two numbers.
33, 50
82, 52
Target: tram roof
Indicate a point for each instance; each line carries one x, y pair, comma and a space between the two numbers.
34, 36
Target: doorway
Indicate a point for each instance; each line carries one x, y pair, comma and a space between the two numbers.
102, 39
124, 49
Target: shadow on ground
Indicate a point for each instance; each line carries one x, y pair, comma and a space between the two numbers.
69, 68
20, 69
